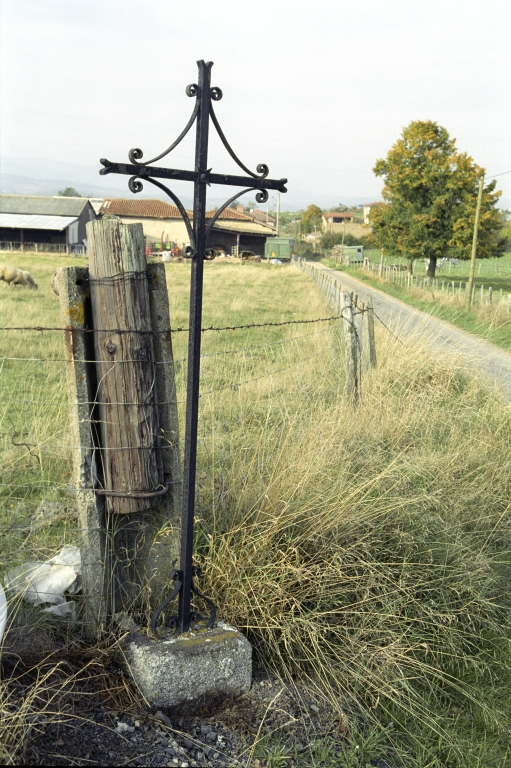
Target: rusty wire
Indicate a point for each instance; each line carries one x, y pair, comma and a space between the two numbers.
41, 328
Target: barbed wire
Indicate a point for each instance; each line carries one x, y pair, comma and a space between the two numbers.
174, 361
177, 401
41, 329
388, 329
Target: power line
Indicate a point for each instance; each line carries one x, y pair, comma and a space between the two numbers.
498, 174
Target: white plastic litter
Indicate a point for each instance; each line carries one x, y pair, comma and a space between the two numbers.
66, 609
275, 261
3, 612
46, 582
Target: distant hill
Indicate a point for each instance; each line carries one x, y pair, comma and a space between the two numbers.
41, 176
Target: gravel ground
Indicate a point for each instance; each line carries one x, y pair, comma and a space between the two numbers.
235, 735
86, 712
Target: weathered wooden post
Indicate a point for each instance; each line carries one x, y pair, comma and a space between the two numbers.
370, 331
351, 343
123, 421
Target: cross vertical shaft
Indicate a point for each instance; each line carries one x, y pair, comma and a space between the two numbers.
198, 234
194, 342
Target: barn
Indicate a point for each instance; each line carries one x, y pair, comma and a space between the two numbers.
233, 232
34, 223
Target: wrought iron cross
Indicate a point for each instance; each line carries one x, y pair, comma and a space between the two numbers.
198, 233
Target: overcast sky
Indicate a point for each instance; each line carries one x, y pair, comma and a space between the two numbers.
317, 90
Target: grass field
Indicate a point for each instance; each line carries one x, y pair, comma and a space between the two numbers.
487, 322
364, 549
494, 272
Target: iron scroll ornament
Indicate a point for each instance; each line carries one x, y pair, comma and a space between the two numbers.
199, 229
145, 171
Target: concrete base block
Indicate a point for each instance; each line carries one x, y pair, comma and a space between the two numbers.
200, 666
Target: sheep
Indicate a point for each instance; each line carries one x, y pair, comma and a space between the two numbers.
13, 276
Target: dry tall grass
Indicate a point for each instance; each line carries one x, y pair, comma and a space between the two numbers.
363, 548
368, 548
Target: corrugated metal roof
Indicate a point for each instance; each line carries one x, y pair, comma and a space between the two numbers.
27, 221
143, 209
44, 206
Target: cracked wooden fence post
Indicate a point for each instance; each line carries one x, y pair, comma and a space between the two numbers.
139, 470
351, 343
123, 420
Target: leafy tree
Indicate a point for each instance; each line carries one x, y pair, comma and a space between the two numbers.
329, 239
69, 192
430, 196
311, 218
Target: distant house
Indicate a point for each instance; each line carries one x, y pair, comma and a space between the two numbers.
161, 221
334, 221
29, 222
263, 217
367, 211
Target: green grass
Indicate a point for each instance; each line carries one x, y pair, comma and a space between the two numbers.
488, 322
363, 550
494, 272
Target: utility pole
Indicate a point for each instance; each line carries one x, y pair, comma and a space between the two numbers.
278, 214
474, 242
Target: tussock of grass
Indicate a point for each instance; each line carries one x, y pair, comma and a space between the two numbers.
368, 549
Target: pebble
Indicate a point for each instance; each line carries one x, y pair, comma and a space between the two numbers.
124, 727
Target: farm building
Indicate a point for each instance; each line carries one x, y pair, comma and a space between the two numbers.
162, 223
263, 217
29, 222
235, 232
334, 222
343, 222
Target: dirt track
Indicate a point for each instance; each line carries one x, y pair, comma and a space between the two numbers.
470, 352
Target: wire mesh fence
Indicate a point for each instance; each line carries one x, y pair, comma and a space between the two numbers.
248, 379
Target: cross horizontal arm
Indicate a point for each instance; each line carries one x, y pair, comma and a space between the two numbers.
207, 176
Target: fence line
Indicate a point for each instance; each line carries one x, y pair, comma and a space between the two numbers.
244, 389
10, 245
348, 306
483, 295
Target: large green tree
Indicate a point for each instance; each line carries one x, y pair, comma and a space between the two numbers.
430, 197
311, 218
